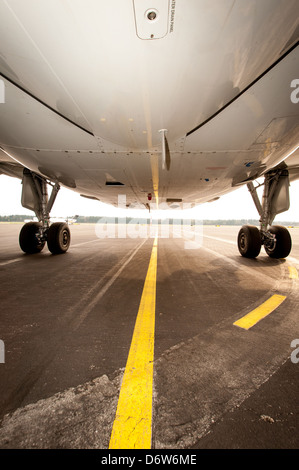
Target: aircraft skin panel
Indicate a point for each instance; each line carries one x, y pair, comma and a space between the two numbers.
255, 132
85, 59
93, 62
72, 157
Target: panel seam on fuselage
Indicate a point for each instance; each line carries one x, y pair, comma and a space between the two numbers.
44, 104
245, 89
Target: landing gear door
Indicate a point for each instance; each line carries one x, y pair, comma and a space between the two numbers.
281, 198
28, 199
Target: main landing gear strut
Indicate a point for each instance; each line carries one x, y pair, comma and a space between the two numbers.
34, 235
276, 239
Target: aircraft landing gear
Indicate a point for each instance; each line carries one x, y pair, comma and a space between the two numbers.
280, 245
276, 239
249, 241
29, 239
34, 235
58, 238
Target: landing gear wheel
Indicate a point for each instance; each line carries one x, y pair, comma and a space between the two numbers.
29, 239
249, 241
58, 238
281, 246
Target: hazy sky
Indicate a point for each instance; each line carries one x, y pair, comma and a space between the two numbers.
235, 205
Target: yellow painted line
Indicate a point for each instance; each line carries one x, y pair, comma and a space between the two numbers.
260, 312
293, 272
132, 427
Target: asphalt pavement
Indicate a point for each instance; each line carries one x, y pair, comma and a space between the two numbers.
68, 323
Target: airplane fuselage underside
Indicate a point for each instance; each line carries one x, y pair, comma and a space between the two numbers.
88, 89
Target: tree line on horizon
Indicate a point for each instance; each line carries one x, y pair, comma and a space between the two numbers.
98, 219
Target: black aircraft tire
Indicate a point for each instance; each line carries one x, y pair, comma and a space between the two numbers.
283, 243
249, 241
59, 238
28, 240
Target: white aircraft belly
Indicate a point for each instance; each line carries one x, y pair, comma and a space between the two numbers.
87, 61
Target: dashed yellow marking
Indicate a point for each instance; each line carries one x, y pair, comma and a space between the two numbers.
260, 312
293, 272
132, 427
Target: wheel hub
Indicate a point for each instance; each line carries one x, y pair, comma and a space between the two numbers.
65, 237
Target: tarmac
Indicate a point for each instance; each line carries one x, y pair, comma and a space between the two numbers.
68, 322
